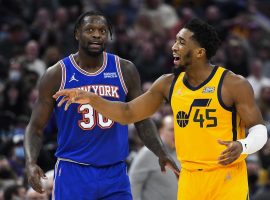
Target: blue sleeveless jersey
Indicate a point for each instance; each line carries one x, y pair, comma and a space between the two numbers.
85, 136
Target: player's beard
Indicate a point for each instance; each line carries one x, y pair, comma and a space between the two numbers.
182, 67
88, 51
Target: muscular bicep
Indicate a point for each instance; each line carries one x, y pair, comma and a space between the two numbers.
48, 85
145, 105
140, 105
245, 103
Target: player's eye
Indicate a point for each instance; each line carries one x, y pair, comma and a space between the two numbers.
89, 30
103, 31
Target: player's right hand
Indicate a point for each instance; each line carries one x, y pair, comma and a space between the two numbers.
34, 175
72, 96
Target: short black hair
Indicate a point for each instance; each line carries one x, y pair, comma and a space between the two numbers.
205, 35
92, 13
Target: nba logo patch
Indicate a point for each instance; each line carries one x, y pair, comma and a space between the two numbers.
208, 90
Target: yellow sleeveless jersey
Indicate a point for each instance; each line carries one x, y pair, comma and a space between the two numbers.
200, 119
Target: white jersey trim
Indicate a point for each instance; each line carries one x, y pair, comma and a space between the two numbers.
68, 160
63, 79
118, 67
101, 69
55, 173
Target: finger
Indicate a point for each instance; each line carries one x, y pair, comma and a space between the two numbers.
235, 155
228, 150
162, 167
177, 175
36, 184
175, 170
68, 104
64, 92
226, 143
173, 167
63, 100
227, 161
225, 156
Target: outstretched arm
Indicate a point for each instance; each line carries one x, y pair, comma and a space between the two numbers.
151, 102
39, 118
124, 113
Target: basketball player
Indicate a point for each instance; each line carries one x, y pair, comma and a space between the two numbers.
211, 106
91, 148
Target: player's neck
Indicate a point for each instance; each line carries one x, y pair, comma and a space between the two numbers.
87, 62
197, 73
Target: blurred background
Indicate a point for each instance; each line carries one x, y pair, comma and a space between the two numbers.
35, 34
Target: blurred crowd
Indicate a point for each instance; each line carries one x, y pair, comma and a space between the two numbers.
35, 34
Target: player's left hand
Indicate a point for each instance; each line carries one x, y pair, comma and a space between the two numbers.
231, 153
168, 161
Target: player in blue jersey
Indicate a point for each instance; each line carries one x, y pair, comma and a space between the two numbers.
91, 148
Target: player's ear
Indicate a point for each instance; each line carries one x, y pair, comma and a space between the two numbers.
200, 52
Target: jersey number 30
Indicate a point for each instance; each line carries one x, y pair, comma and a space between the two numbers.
91, 118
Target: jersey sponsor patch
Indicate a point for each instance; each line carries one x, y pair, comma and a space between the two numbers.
110, 75
208, 90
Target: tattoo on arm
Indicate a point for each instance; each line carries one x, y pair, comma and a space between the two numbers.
149, 135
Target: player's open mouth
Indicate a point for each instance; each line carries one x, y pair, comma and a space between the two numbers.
176, 60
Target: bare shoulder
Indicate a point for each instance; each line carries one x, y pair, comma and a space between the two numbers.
54, 70
130, 75
163, 85
237, 86
127, 67
51, 80
167, 78
236, 82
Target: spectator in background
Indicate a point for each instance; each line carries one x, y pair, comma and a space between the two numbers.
13, 98
264, 155
15, 192
48, 183
160, 14
33, 195
256, 76
41, 27
147, 181
264, 192
264, 101
17, 157
7, 175
237, 56
63, 31
31, 60
15, 41
253, 167
52, 55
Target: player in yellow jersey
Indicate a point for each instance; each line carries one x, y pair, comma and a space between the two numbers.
212, 107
